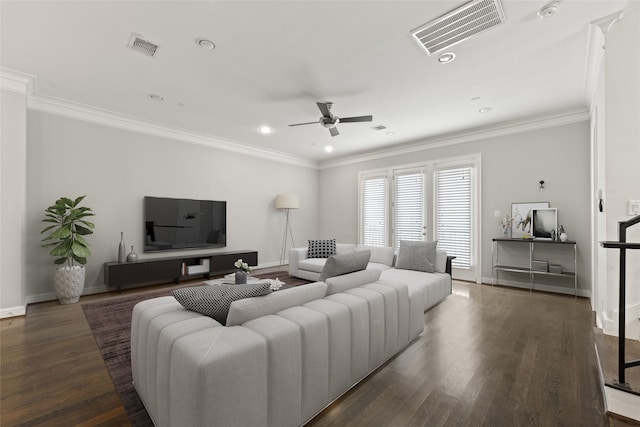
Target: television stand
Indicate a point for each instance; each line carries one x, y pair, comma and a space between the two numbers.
173, 269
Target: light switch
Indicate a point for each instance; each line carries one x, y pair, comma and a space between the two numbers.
634, 207
496, 214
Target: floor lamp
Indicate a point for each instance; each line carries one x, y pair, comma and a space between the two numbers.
286, 202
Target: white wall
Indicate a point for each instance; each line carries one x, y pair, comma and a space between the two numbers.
622, 94
13, 170
116, 168
512, 165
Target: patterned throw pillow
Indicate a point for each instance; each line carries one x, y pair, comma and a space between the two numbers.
321, 248
214, 300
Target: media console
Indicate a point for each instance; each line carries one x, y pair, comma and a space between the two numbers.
159, 270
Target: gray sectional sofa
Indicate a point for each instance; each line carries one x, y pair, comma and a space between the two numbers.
281, 358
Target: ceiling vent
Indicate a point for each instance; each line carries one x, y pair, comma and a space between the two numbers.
460, 24
136, 42
379, 127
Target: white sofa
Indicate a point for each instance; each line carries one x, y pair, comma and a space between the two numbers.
310, 268
434, 286
280, 359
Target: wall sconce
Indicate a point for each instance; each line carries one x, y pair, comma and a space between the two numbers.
541, 185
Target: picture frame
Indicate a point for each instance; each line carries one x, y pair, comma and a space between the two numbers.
544, 222
521, 214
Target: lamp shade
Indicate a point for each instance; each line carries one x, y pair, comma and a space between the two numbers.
287, 201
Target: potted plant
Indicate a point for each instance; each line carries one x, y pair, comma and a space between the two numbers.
64, 235
242, 273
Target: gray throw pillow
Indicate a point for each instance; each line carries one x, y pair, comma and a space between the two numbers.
337, 265
321, 248
214, 300
419, 256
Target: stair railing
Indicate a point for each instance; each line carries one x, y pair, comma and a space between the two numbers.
623, 245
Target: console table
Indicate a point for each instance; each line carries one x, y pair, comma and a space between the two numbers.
530, 270
159, 270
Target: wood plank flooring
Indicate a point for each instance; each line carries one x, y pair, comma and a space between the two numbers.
489, 356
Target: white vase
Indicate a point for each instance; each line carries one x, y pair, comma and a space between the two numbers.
563, 237
69, 283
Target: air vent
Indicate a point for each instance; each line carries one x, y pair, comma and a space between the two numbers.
379, 127
469, 20
136, 42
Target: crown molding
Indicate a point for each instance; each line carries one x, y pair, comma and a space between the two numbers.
470, 135
65, 108
26, 84
17, 82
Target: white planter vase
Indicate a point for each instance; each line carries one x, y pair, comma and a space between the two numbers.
69, 283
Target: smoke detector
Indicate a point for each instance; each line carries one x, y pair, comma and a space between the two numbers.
549, 10
136, 42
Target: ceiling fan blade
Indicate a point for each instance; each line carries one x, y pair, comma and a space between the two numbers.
306, 123
356, 119
324, 109
334, 131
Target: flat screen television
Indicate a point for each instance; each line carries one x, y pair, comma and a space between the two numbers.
175, 224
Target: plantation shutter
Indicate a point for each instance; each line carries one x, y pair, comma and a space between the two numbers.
409, 207
453, 214
374, 212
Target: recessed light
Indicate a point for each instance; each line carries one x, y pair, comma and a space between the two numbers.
328, 149
156, 97
446, 57
485, 110
391, 132
265, 129
205, 44
476, 98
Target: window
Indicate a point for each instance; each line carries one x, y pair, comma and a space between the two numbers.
430, 200
453, 214
408, 207
374, 211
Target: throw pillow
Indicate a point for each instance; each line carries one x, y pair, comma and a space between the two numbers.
419, 256
214, 300
321, 248
338, 265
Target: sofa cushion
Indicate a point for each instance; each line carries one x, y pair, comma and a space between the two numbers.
214, 300
379, 254
321, 248
312, 264
352, 280
415, 255
242, 311
337, 265
441, 261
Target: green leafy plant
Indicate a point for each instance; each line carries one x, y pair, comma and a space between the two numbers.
65, 234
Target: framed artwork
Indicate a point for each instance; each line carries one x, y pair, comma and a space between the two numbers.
521, 214
544, 222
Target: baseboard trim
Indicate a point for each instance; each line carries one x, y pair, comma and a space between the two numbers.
19, 310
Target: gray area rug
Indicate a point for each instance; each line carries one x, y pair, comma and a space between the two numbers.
110, 322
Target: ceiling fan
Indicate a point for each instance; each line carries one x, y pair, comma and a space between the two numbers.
330, 120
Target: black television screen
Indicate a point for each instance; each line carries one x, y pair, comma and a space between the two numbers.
174, 224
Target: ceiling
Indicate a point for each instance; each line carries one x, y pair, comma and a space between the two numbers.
274, 60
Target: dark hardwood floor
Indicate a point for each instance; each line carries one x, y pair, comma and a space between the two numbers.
489, 356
